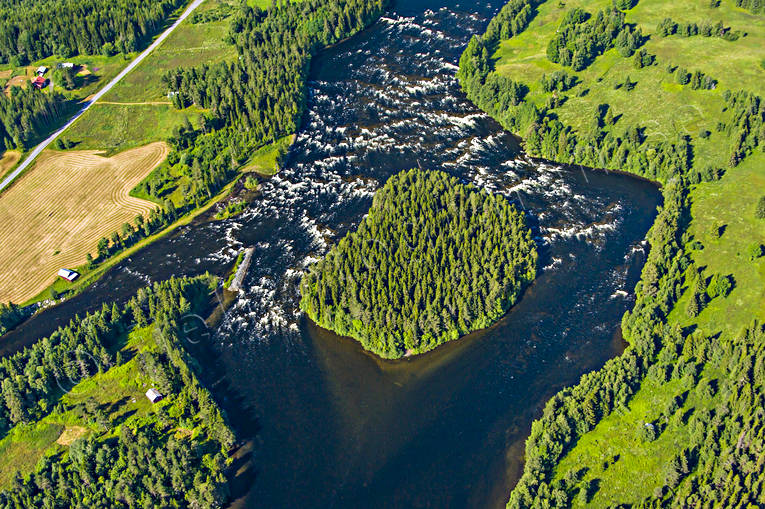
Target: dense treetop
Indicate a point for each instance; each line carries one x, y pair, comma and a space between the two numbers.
434, 259
121, 462
34, 29
27, 114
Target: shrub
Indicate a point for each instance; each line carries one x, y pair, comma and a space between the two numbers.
754, 251
251, 183
719, 285
760, 210
646, 432
682, 76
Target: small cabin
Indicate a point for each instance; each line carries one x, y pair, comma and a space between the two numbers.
41, 70
39, 82
66, 65
67, 274
153, 395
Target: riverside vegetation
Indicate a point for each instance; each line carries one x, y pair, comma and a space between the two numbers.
249, 104
668, 91
249, 107
433, 260
87, 380
254, 101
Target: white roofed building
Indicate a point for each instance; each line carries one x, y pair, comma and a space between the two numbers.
153, 395
67, 274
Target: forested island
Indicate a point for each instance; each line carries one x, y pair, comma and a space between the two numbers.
432, 261
672, 92
76, 429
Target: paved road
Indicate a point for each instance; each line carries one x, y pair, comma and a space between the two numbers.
39, 148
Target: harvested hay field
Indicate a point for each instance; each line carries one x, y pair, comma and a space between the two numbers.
54, 215
16, 81
8, 161
70, 434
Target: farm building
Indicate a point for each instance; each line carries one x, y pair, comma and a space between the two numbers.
65, 65
41, 70
153, 395
40, 82
67, 274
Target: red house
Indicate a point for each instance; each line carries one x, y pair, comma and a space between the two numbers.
40, 82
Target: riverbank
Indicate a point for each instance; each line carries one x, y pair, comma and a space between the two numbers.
88, 276
594, 113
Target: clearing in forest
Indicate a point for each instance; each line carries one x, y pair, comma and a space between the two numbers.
54, 215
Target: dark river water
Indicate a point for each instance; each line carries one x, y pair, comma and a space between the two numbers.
331, 425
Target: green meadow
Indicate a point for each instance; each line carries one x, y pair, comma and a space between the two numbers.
116, 396
624, 468
657, 103
137, 110
113, 128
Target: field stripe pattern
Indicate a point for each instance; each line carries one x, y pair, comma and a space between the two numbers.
55, 215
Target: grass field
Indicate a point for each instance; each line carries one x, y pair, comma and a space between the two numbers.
24, 446
673, 108
119, 391
54, 214
137, 111
265, 161
113, 127
712, 207
624, 468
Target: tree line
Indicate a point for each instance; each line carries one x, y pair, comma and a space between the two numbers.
132, 233
433, 260
33, 29
707, 28
146, 466
580, 37
755, 6
10, 316
655, 348
26, 116
744, 124
511, 20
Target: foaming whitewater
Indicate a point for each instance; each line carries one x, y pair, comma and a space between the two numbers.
335, 427
384, 104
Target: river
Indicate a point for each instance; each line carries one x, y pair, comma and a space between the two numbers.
331, 425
